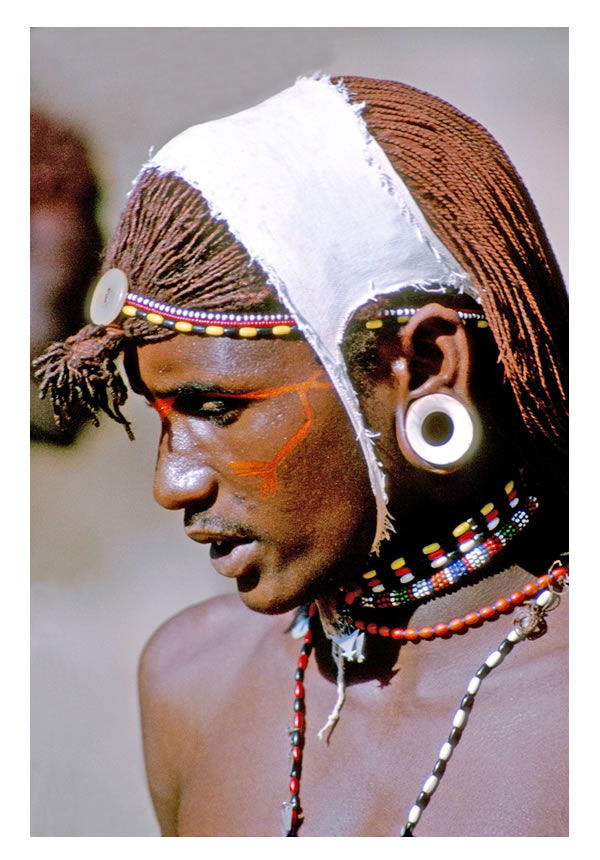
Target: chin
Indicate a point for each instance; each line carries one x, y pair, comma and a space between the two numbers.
260, 599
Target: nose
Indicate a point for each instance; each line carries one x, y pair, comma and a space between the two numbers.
182, 479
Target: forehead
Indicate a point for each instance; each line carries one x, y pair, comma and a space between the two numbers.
222, 363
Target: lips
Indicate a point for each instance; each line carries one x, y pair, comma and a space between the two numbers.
230, 555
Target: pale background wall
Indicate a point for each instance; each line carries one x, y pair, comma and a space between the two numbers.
108, 566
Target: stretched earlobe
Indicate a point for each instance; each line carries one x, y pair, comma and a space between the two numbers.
439, 429
437, 426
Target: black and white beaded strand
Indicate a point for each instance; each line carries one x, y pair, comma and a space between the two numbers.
528, 625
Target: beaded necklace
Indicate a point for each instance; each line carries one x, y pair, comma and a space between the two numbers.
529, 624
469, 548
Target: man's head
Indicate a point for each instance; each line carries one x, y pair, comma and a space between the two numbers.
447, 223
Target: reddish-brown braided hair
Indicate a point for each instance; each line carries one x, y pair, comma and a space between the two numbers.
465, 185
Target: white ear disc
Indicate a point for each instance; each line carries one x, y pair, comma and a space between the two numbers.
439, 429
109, 297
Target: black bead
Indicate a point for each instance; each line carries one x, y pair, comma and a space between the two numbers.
298, 704
295, 801
483, 670
295, 738
439, 767
422, 799
299, 676
505, 647
454, 736
467, 701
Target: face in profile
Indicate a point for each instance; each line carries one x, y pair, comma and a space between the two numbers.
258, 453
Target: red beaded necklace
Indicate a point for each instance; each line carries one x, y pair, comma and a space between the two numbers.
546, 589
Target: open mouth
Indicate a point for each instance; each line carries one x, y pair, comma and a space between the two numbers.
222, 548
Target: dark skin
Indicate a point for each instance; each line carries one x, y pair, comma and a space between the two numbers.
216, 682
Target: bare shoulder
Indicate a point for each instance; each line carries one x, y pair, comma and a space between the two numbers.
196, 642
187, 674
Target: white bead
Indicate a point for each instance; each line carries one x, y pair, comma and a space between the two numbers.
545, 599
493, 660
414, 814
446, 751
460, 718
431, 784
515, 635
474, 685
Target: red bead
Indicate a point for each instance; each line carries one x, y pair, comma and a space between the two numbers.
374, 582
372, 628
302, 661
308, 637
384, 631
312, 610
299, 690
544, 581
466, 536
517, 597
294, 817
471, 618
360, 625
296, 753
397, 633
440, 629
487, 612
530, 589
411, 633
502, 605
456, 624
437, 554
426, 633
294, 785
350, 597
298, 719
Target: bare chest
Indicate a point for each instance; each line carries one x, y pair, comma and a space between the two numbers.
365, 780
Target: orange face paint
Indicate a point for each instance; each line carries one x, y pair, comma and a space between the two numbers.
266, 470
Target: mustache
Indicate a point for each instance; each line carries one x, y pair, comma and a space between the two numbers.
218, 525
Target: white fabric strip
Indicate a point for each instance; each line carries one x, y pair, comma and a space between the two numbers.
315, 201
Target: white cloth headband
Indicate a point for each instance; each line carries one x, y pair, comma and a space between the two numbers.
313, 198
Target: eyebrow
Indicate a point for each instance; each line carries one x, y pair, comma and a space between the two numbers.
194, 387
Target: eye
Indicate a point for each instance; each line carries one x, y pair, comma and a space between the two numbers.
219, 409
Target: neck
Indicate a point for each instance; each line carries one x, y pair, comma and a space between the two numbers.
496, 560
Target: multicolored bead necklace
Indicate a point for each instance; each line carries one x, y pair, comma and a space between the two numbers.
529, 624
478, 539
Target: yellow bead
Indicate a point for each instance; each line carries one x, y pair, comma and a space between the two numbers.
129, 311
214, 330
482, 324
183, 326
279, 330
154, 318
509, 487
397, 564
370, 574
461, 529
403, 319
374, 324
432, 547
247, 331
487, 509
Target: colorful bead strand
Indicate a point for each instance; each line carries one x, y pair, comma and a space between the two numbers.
470, 619
480, 550
291, 809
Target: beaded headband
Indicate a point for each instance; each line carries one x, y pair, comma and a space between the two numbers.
110, 300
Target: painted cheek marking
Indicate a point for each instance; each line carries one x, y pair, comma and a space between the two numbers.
267, 470
164, 406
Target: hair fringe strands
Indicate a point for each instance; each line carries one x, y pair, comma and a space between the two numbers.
81, 372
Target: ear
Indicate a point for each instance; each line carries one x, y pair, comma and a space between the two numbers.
437, 427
